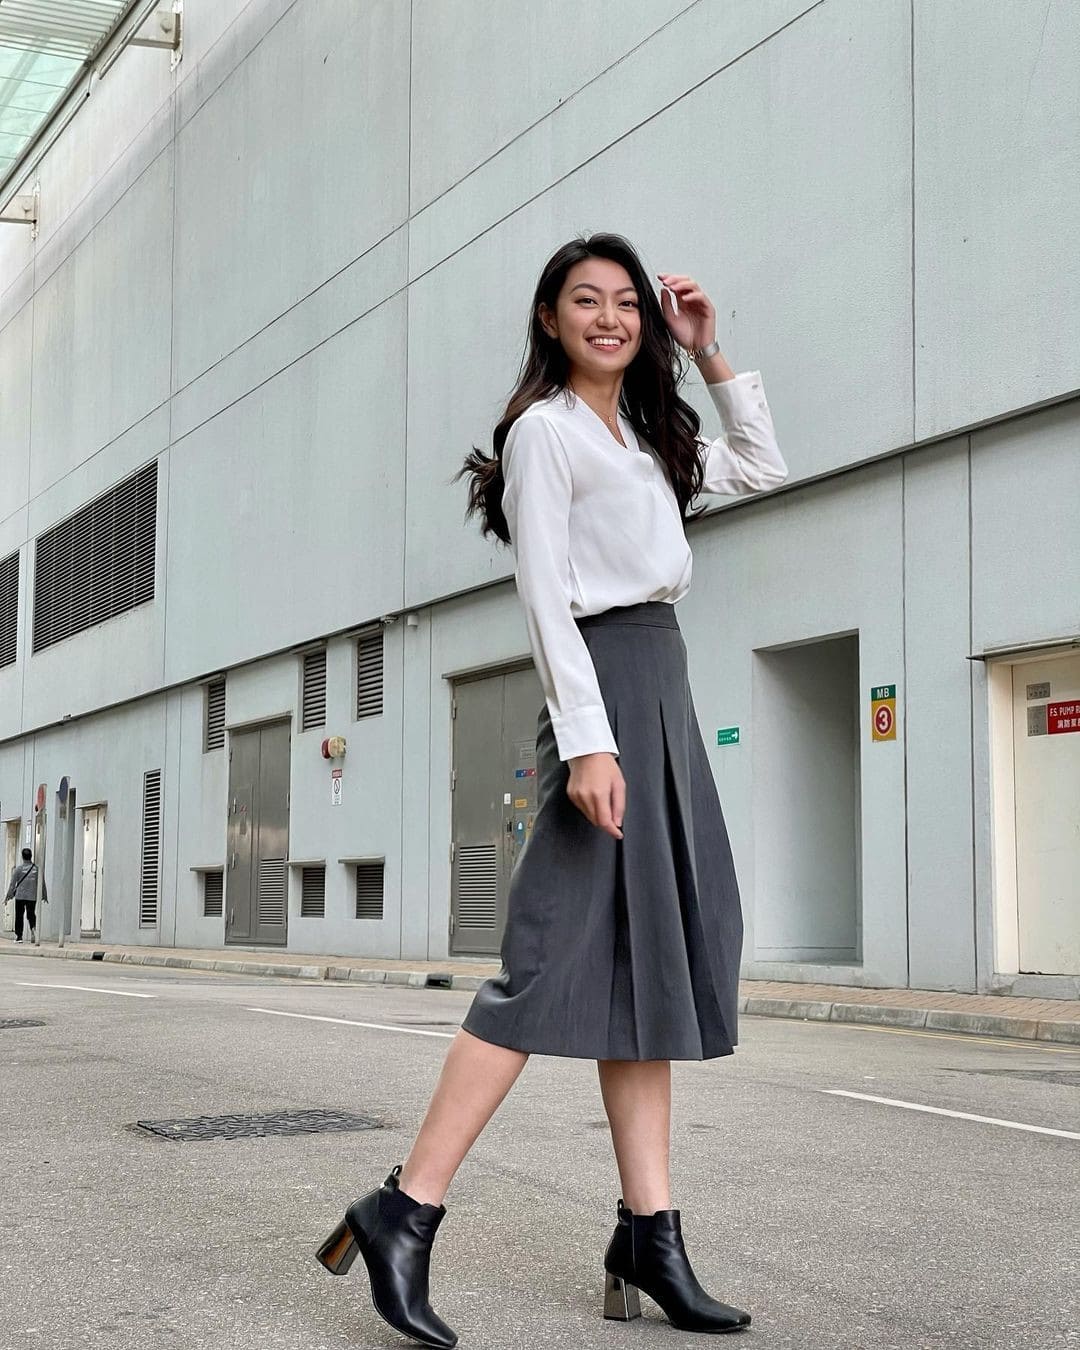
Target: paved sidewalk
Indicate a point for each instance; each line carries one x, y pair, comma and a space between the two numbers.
1035, 1019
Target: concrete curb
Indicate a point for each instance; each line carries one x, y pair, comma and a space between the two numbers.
753, 1005
932, 1019
414, 979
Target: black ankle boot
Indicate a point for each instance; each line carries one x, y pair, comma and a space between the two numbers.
393, 1233
646, 1252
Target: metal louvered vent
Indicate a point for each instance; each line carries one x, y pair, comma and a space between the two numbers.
477, 885
313, 710
149, 881
213, 894
369, 673
215, 716
9, 609
98, 563
313, 892
369, 890
272, 891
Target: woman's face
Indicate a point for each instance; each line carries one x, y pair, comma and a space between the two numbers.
597, 318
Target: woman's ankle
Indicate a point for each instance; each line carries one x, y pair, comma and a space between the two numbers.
424, 1190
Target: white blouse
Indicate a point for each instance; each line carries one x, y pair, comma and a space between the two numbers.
595, 524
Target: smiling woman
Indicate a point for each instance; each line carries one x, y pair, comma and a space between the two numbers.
624, 927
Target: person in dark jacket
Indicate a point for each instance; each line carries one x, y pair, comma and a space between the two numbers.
23, 888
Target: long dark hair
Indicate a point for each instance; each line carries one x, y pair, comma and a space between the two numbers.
650, 389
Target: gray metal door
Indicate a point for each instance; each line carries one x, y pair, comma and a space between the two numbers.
256, 893
494, 801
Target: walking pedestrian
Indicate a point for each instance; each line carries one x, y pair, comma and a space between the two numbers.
624, 928
23, 887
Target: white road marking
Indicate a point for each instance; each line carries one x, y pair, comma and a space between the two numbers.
958, 1115
345, 1022
83, 988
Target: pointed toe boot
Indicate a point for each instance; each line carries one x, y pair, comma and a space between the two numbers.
394, 1234
646, 1252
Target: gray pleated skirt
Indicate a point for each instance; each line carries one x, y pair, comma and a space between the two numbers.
624, 949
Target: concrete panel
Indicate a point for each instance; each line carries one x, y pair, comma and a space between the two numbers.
368, 823
15, 365
786, 297
997, 208
115, 136
219, 36
937, 710
695, 48
1025, 486
505, 68
16, 271
352, 294
201, 816
794, 570
101, 339
285, 511
282, 178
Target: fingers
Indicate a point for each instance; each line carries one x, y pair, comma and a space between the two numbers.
618, 801
685, 288
602, 802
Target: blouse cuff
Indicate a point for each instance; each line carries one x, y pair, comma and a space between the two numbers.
583, 731
739, 399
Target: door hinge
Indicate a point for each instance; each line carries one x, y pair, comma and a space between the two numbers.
453, 708
451, 850
451, 923
453, 779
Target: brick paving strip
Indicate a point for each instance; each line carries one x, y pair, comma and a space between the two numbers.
1033, 1019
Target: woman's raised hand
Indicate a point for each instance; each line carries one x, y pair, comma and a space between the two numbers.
694, 325
598, 790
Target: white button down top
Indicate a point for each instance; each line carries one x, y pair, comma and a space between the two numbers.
595, 524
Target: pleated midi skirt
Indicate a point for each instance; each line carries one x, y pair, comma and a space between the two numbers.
624, 949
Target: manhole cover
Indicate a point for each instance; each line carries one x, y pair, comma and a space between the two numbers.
254, 1125
9, 1023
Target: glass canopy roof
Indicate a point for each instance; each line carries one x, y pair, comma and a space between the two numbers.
44, 48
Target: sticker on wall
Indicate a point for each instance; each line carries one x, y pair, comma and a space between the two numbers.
335, 787
520, 803
727, 736
1038, 690
1062, 717
883, 712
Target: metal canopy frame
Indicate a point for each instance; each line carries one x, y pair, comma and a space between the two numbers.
47, 48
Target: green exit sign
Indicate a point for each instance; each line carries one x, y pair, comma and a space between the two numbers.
727, 736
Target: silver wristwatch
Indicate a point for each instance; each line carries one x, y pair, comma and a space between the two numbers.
697, 353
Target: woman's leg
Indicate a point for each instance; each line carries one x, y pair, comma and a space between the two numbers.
475, 1078
637, 1099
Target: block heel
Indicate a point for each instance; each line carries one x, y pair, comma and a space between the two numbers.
339, 1250
622, 1302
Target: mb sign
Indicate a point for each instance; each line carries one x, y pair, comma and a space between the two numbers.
883, 712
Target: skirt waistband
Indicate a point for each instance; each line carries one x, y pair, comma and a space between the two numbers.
651, 613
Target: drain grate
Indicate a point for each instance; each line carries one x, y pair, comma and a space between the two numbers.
256, 1125
9, 1023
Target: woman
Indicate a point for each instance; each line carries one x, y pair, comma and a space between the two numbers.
624, 929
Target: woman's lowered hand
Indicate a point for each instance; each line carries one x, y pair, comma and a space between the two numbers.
598, 790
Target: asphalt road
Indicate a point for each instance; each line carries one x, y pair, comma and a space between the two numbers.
840, 1221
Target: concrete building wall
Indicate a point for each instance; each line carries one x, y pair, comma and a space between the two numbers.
295, 272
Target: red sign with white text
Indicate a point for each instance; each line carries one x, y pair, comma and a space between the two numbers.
1062, 717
